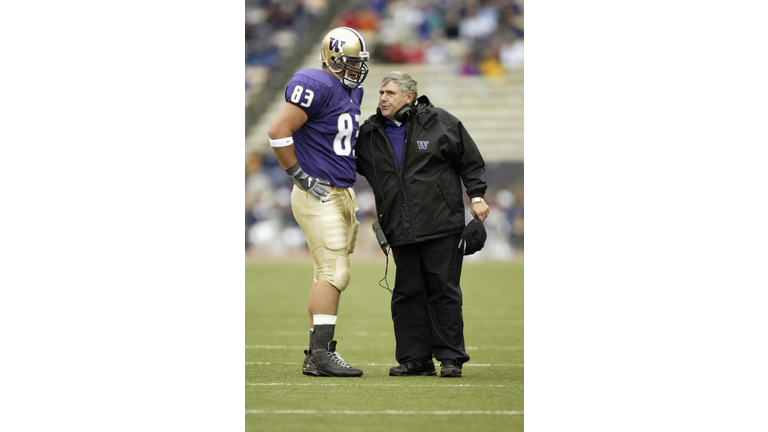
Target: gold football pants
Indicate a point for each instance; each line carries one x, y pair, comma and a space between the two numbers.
330, 226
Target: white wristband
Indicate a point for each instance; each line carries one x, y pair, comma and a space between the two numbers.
477, 199
281, 142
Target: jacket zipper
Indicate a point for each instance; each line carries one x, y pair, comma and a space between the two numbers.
400, 181
406, 139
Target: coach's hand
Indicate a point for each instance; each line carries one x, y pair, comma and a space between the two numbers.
317, 187
479, 210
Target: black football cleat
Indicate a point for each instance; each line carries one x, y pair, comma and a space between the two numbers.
414, 367
450, 369
327, 363
306, 359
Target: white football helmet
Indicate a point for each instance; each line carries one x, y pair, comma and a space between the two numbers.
341, 46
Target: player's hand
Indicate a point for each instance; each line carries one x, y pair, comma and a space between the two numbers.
316, 187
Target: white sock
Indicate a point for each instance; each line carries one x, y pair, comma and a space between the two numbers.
320, 319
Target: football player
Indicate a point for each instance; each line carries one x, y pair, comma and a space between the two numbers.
313, 137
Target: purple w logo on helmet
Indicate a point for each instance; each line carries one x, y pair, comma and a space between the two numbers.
336, 45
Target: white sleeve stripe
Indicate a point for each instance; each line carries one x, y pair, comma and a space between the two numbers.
360, 38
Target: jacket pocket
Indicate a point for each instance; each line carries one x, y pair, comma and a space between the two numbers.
448, 195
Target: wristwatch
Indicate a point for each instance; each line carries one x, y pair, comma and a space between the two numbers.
477, 199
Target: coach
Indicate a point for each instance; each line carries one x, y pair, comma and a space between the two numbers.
415, 156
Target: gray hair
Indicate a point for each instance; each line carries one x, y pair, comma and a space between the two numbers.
404, 82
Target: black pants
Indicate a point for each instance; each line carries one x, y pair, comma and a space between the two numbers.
426, 304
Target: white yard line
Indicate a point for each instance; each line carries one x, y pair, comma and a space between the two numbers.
379, 364
403, 384
306, 332
389, 412
296, 347
472, 348
302, 347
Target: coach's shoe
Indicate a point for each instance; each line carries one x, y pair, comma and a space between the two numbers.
325, 362
423, 367
306, 359
450, 369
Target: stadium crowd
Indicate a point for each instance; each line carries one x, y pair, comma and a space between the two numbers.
476, 37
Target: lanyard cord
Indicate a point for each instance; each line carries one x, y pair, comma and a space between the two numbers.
386, 269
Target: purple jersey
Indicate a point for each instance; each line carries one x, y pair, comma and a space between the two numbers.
325, 144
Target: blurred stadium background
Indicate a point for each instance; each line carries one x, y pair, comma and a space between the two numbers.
466, 56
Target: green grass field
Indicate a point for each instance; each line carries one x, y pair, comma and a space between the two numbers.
278, 397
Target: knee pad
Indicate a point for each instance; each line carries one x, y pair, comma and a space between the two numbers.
337, 273
341, 273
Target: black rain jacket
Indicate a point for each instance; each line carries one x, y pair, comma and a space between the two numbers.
423, 201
